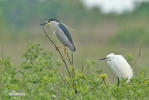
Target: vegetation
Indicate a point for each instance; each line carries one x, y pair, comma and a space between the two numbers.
42, 78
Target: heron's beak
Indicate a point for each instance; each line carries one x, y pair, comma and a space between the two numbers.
45, 23
103, 58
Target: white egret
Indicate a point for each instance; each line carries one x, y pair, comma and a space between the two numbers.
119, 66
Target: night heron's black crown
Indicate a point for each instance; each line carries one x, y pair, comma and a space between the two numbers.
52, 19
48, 21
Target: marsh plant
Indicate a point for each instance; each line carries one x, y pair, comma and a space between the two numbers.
40, 77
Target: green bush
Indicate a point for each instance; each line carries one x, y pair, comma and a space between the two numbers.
40, 78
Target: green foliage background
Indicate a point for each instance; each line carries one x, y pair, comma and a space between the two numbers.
40, 78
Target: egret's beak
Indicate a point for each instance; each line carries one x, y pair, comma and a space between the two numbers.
103, 58
45, 23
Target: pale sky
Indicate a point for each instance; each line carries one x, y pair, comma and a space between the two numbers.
114, 6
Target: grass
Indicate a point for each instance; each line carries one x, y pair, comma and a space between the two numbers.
41, 77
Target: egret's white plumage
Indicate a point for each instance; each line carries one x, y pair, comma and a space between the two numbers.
119, 66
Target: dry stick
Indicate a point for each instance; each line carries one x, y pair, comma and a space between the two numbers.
58, 52
71, 63
62, 59
139, 54
82, 69
73, 70
72, 58
139, 50
93, 87
69, 58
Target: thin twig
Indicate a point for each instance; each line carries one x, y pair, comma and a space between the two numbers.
139, 50
72, 58
73, 82
139, 55
73, 70
71, 63
91, 89
82, 68
58, 51
69, 58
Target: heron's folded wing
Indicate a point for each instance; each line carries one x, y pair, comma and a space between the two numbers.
66, 32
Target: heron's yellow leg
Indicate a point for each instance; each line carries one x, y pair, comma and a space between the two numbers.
58, 47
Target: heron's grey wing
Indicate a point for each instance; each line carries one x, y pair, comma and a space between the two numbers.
66, 32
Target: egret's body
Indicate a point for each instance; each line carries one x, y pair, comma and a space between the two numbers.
61, 33
119, 66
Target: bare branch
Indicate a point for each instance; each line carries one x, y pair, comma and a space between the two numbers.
91, 89
82, 68
69, 58
138, 57
73, 82
72, 58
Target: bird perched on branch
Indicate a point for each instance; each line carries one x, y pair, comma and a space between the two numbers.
119, 66
61, 33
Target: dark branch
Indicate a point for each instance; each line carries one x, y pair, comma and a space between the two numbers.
73, 82
91, 89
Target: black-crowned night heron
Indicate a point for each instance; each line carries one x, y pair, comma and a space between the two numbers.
61, 33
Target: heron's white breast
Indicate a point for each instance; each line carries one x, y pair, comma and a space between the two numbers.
60, 34
120, 67
54, 26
